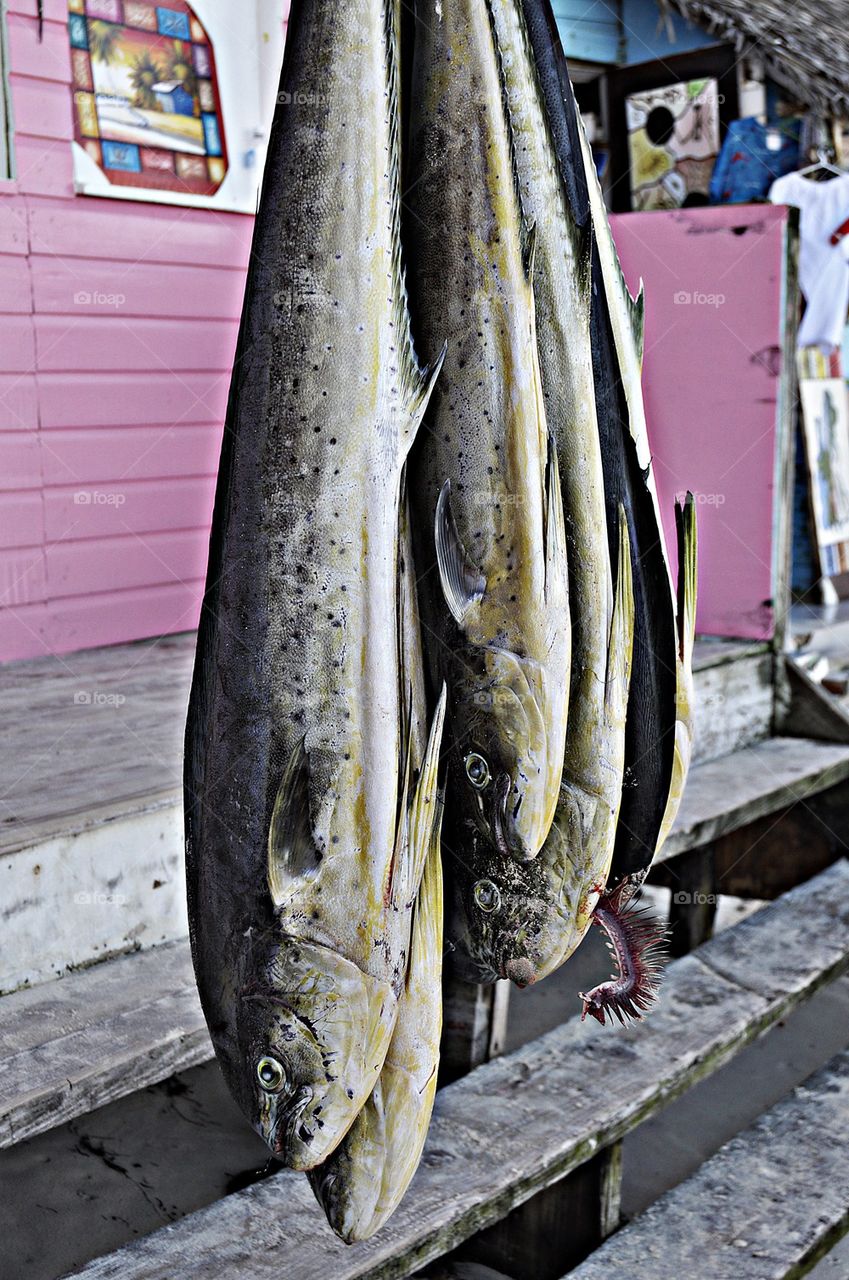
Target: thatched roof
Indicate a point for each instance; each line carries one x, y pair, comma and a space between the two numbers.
804, 44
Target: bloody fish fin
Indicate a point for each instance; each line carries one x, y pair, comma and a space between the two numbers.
462, 584
688, 572
636, 940
292, 853
555, 523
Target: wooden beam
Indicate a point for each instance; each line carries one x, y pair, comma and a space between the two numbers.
524, 1121
806, 710
694, 899
770, 1203
474, 1025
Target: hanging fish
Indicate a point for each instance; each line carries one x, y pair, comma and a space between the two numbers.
365, 1179
485, 487
307, 830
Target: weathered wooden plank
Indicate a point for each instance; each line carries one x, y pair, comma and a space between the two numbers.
734, 701
97, 1035
518, 1124
806, 710
474, 1024
724, 795
765, 1207
694, 900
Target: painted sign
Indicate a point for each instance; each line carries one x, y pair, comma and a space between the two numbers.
673, 142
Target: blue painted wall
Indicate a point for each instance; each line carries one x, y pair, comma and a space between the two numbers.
622, 31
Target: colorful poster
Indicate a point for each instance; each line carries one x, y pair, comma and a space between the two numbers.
151, 116
825, 414
673, 142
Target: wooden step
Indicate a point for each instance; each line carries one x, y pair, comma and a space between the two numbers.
769, 1203
73, 1045
522, 1122
726, 794
144, 1007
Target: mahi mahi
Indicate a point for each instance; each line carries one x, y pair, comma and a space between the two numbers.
490, 539
307, 831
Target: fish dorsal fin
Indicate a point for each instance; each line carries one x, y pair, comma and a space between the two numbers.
462, 584
621, 645
688, 573
418, 816
426, 937
555, 527
292, 853
396, 888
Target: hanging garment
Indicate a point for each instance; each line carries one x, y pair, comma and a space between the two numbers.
753, 155
823, 266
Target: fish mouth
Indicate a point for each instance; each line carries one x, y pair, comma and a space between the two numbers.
290, 1137
511, 846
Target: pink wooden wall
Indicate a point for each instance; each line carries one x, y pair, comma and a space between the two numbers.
713, 281
110, 410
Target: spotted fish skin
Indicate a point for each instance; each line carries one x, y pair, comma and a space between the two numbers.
490, 541
300, 865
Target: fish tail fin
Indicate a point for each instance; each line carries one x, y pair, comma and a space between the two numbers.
688, 573
419, 814
621, 644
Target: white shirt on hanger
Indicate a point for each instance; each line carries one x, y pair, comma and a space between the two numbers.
823, 267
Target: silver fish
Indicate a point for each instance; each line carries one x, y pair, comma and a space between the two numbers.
490, 539
307, 832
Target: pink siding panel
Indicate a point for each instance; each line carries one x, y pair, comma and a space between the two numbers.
79, 568
18, 402
104, 399
111, 411
75, 286
81, 343
20, 460
119, 507
17, 344
91, 228
21, 522
136, 453
84, 622
22, 577
15, 286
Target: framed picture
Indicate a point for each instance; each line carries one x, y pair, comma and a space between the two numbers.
825, 418
168, 101
667, 121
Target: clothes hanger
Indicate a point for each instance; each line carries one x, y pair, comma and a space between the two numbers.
822, 164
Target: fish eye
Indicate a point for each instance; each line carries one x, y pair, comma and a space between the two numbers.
477, 771
487, 896
270, 1074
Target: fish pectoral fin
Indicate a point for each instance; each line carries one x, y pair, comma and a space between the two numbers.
621, 644
418, 818
556, 572
462, 584
688, 575
292, 853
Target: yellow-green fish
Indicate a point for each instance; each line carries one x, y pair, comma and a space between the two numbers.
485, 488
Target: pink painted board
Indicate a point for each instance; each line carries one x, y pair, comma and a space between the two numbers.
18, 402
42, 107
45, 59
121, 506
23, 578
79, 457
85, 287
87, 342
104, 399
21, 519
77, 568
15, 287
17, 346
20, 460
713, 281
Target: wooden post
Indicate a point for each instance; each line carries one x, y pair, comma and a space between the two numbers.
694, 899
551, 1233
474, 1025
